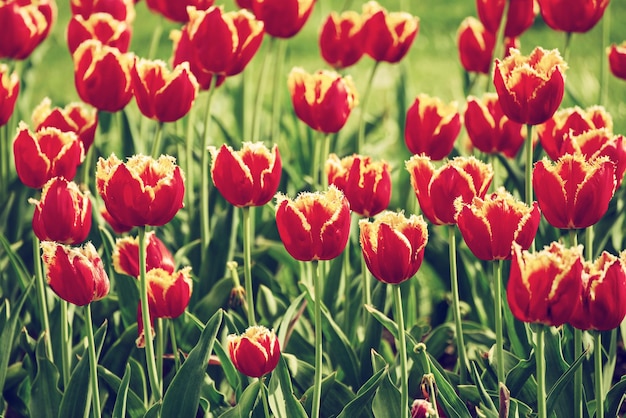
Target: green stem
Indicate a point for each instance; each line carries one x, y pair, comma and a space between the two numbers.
597, 359
205, 232
315, 166
528, 178
323, 158
454, 283
41, 295
260, 92
367, 290
189, 171
578, 350
153, 376
264, 395
156, 145
66, 344
4, 161
604, 68
93, 362
247, 265
173, 341
566, 47
276, 96
497, 280
346, 280
540, 360
366, 95
317, 382
404, 370
159, 349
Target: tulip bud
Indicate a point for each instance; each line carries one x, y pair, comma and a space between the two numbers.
475, 45
617, 60
572, 15
341, 39
101, 27
388, 36
126, 255
282, 18
256, 352
25, 25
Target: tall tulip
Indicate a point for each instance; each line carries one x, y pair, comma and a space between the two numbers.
126, 255
388, 36
25, 25
341, 39
520, 16
475, 45
572, 15
617, 60
256, 352
101, 27
282, 18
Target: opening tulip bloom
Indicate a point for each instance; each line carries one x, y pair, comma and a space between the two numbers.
143, 191
282, 18
530, 89
25, 25
603, 289
388, 36
101, 27
322, 100
617, 60
545, 286
314, 226
248, 177
162, 94
123, 10
75, 274
431, 127
341, 39
520, 16
184, 51
393, 246
437, 189
9, 90
572, 15
489, 130
126, 255
254, 353
63, 214
491, 225
176, 11
45, 154
475, 45
573, 192
366, 183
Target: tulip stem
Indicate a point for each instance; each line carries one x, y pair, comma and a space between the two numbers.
454, 283
153, 375
404, 371
172, 329
317, 307
578, 350
528, 180
264, 395
597, 359
366, 95
66, 344
604, 68
323, 158
540, 360
4, 161
247, 265
367, 290
276, 97
260, 92
93, 362
205, 234
497, 280
41, 295
189, 147
156, 145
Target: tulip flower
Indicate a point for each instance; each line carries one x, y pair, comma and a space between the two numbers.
63, 213
244, 4
597, 143
388, 36
520, 16
322, 100
248, 177
162, 94
341, 39
572, 15
176, 11
75, 274
437, 189
489, 129
421, 408
545, 286
9, 90
282, 18
573, 192
314, 226
184, 51
393, 246
475, 45
25, 25
617, 60
431, 127
74, 117
254, 353
45, 154
102, 75
117, 227
491, 225
126, 255
366, 183
143, 191
101, 27
122, 10
530, 89
603, 287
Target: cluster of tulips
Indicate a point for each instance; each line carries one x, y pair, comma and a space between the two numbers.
563, 286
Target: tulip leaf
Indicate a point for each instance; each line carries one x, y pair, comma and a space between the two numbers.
183, 394
453, 406
119, 410
45, 394
246, 402
16, 262
75, 398
282, 400
386, 402
385, 321
566, 378
286, 323
231, 373
132, 403
358, 406
615, 398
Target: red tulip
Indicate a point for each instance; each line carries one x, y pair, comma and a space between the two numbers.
520, 16
573, 192
256, 352
25, 24
572, 15
388, 36
283, 18
102, 75
75, 274
143, 191
63, 214
122, 10
177, 10
249, 177
9, 90
544, 286
184, 51
491, 225
75, 117
126, 255
314, 226
162, 94
603, 289
617, 60
45, 154
421, 408
366, 183
393, 246
437, 189
322, 100
244, 4
431, 127
117, 227
101, 27
475, 45
489, 129
341, 39
530, 89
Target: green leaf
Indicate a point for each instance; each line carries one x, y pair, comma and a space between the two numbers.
283, 402
245, 404
154, 411
615, 398
386, 403
183, 394
119, 410
361, 403
231, 373
286, 322
133, 404
45, 394
566, 378
384, 320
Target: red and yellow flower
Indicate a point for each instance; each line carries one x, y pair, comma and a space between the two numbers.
177, 10
520, 16
617, 60
122, 10
282, 18
254, 353
572, 15
475, 45
126, 255
101, 27
388, 36
341, 39
9, 90
25, 25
